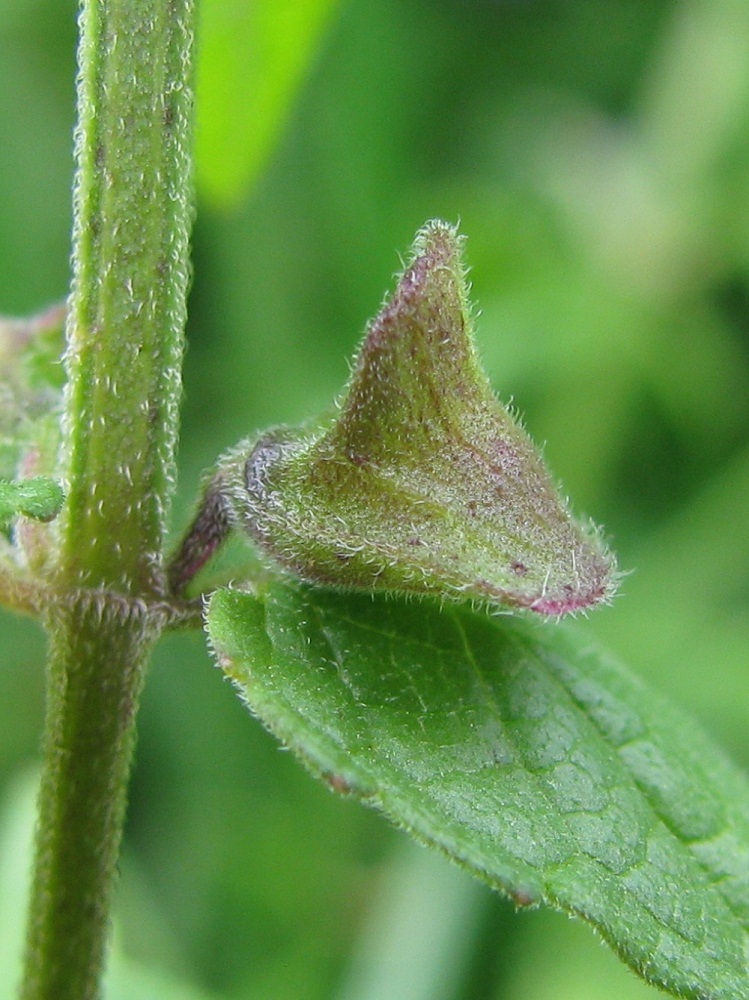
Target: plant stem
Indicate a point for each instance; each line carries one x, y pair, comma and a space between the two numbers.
90, 735
125, 329
125, 341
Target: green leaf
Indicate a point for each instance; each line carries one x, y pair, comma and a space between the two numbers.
30, 353
525, 755
39, 498
252, 57
31, 378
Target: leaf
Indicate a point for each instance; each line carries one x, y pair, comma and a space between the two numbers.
38, 498
252, 56
536, 762
31, 378
17, 815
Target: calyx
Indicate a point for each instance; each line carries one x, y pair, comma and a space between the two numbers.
423, 482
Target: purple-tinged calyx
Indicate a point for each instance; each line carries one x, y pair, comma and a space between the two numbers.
424, 482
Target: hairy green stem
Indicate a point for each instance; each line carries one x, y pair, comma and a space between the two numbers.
90, 735
125, 342
125, 328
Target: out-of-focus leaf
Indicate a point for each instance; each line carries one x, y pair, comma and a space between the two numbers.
31, 380
420, 931
126, 979
558, 959
16, 833
252, 56
31, 348
539, 764
699, 557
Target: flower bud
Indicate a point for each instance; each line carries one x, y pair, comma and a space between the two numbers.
423, 482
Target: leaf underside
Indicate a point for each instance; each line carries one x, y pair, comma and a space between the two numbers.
537, 763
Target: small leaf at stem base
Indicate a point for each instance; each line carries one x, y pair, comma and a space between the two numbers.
39, 498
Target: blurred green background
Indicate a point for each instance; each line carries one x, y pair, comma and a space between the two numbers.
597, 157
